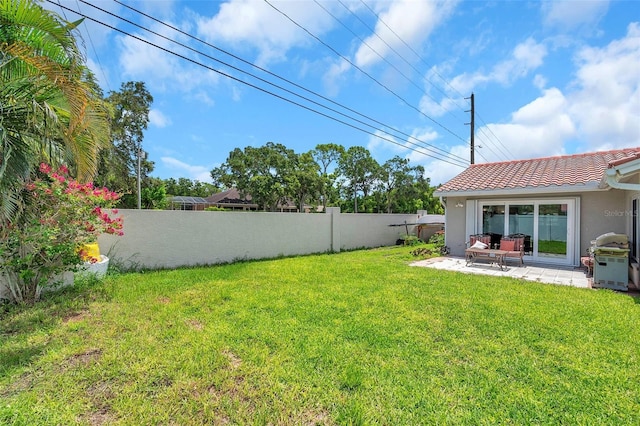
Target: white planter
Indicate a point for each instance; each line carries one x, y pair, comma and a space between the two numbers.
99, 269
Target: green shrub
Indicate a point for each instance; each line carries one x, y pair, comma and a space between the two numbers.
410, 240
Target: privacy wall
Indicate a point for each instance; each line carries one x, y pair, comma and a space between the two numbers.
171, 238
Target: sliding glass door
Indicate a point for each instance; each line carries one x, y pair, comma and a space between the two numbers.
552, 231
548, 226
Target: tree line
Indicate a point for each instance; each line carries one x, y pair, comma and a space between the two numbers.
328, 175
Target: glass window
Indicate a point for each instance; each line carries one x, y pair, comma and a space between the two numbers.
521, 219
493, 219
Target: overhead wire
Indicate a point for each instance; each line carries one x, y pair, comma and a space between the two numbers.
259, 88
414, 52
372, 49
426, 145
486, 126
428, 65
481, 134
90, 40
365, 73
95, 53
398, 54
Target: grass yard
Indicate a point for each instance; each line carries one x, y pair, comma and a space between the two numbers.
355, 338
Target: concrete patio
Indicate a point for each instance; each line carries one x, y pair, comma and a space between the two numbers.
550, 274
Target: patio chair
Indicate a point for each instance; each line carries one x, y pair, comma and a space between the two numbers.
528, 248
486, 239
514, 247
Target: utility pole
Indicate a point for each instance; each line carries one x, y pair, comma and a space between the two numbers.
472, 124
139, 163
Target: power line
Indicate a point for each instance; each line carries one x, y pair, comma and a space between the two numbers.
95, 53
260, 88
412, 50
363, 71
371, 48
426, 145
373, 31
494, 135
425, 63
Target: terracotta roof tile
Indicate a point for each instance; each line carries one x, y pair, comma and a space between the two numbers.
568, 170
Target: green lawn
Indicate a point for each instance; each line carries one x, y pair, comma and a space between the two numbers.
552, 247
350, 338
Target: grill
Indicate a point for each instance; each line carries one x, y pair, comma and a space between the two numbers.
610, 254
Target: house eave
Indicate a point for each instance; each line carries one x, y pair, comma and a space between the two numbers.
532, 190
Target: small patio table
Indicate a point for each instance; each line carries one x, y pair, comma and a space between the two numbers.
492, 255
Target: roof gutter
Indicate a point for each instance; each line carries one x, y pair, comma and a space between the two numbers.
613, 176
538, 190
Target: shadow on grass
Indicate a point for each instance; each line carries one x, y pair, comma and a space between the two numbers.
24, 329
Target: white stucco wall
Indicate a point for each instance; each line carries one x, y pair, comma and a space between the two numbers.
171, 238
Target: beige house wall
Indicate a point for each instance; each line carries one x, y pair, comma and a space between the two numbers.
600, 212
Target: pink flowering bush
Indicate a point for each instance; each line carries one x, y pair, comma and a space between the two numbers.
60, 216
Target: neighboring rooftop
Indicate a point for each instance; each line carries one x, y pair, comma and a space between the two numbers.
569, 171
230, 196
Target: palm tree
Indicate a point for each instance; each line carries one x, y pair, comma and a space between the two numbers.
50, 109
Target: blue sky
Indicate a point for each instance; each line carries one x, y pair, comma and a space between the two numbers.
549, 78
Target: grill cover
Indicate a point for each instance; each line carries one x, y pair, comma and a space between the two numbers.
612, 240
610, 252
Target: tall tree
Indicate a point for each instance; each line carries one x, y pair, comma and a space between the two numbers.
131, 105
189, 188
154, 195
261, 172
360, 171
50, 107
326, 155
397, 179
304, 183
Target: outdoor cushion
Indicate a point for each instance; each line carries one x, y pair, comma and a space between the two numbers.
479, 245
508, 245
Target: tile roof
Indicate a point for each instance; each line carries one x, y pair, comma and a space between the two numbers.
230, 196
550, 172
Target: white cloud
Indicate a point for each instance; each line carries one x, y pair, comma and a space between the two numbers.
161, 70
335, 76
605, 100
440, 171
539, 128
412, 21
158, 119
255, 24
539, 81
569, 15
598, 109
200, 173
525, 57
